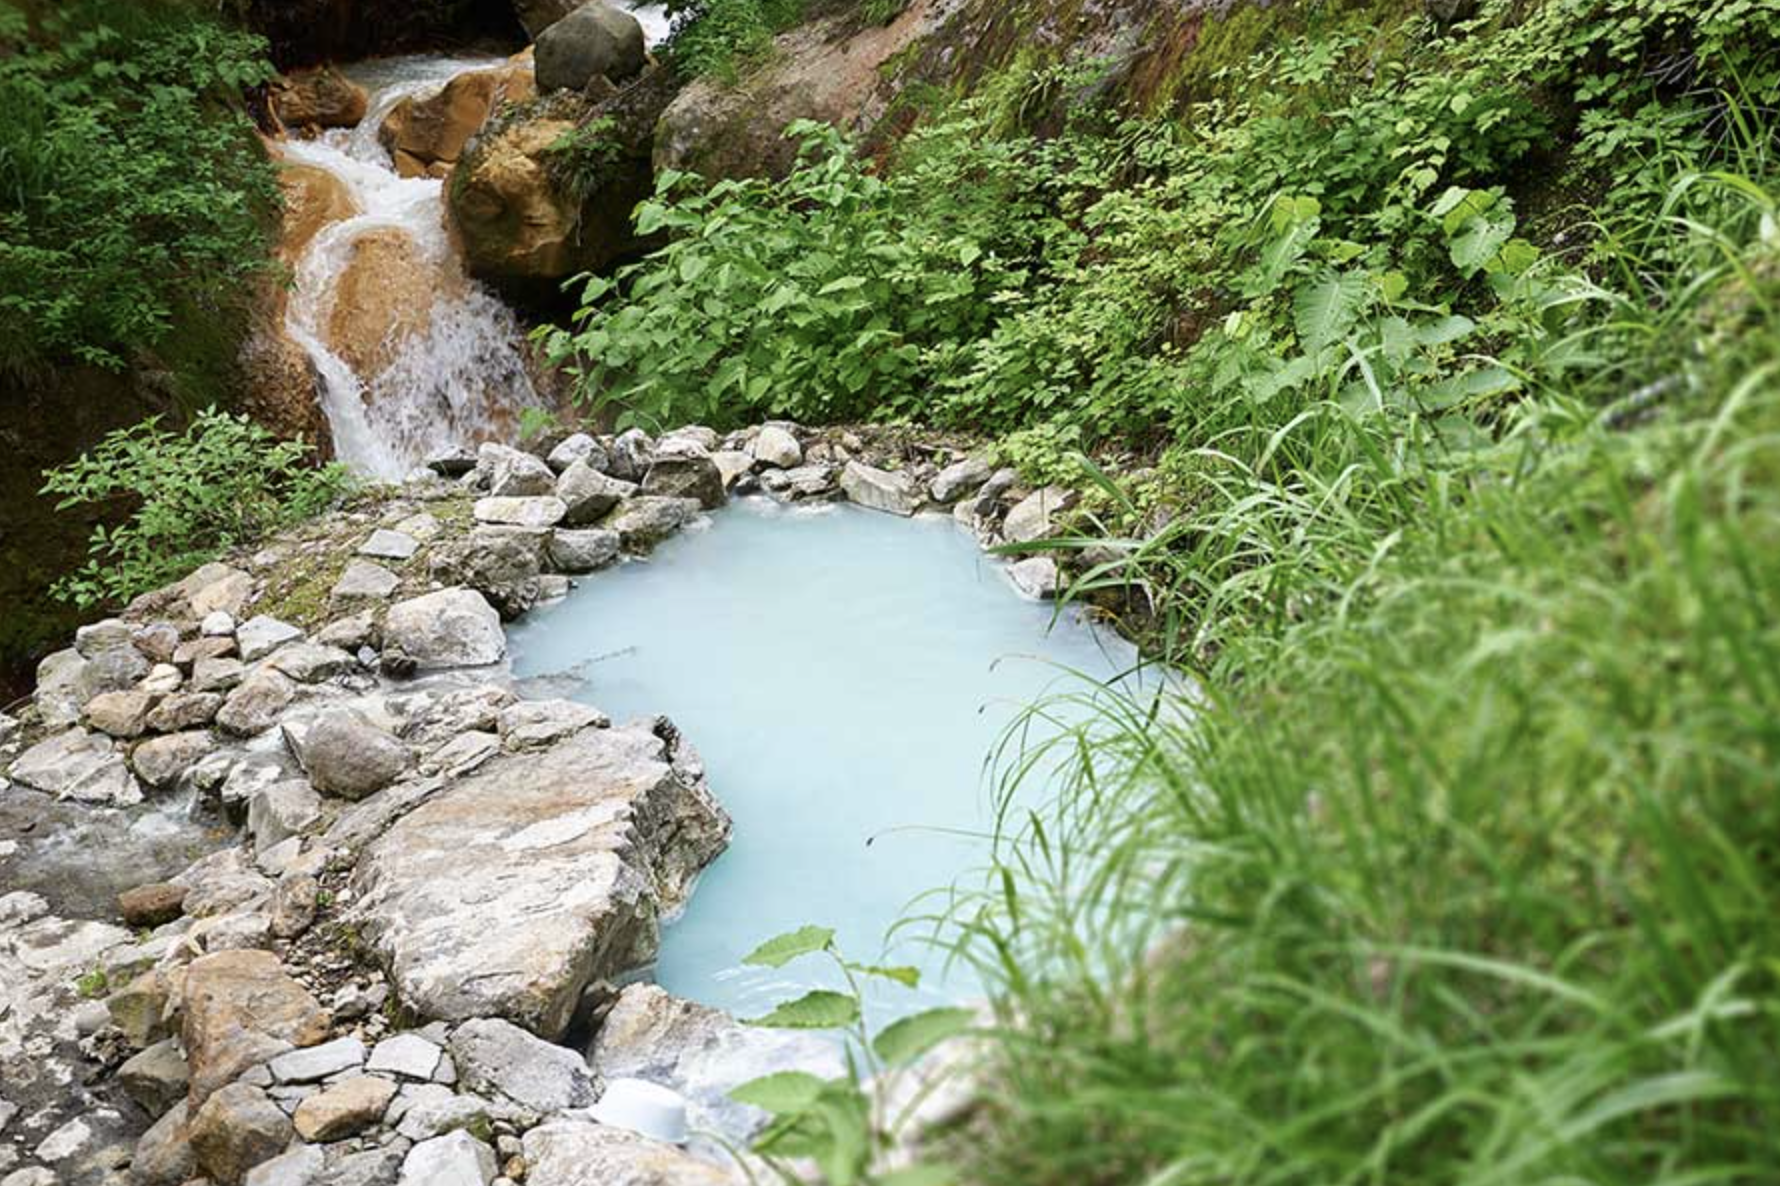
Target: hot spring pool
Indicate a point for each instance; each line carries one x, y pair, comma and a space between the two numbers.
844, 675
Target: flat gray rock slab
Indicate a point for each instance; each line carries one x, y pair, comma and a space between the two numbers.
260, 636
408, 1055
508, 892
314, 1063
364, 581
385, 544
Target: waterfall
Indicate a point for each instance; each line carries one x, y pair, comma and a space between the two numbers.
457, 374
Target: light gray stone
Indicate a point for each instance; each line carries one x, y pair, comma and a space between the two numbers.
642, 522
609, 836
408, 1055
1037, 577
300, 1165
78, 765
576, 1153
496, 1057
160, 761
578, 447
630, 455
587, 494
310, 663
157, 1077
455, 1159
184, 710
256, 703
346, 755
879, 489
959, 479
453, 461
682, 468
385, 544
506, 472
285, 809
449, 628
583, 551
461, 754
534, 511
1034, 517
260, 636
104, 635
217, 674
220, 624
775, 447
364, 581
535, 724
703, 1054
315, 1063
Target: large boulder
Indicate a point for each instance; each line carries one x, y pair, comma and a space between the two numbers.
242, 1008
449, 628
510, 891
594, 41
426, 134
384, 298
313, 197
348, 756
500, 562
321, 97
497, 1058
684, 469
237, 1127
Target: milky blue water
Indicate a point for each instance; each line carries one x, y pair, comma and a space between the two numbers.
844, 675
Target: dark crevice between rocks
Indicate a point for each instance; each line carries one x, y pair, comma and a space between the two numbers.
307, 32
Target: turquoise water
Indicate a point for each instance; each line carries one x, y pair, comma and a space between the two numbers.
844, 675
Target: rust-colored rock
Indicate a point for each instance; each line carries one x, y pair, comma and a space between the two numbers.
241, 1008
426, 136
313, 197
152, 905
320, 97
384, 296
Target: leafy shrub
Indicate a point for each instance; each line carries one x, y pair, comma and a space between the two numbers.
224, 481
714, 36
131, 186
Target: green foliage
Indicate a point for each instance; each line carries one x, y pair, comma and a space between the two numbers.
224, 481
93, 985
580, 161
716, 36
842, 1125
131, 186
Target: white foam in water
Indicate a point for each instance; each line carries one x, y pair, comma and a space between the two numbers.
844, 675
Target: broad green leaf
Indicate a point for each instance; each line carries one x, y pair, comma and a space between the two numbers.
1325, 309
782, 949
920, 1175
781, 1093
819, 1009
905, 1040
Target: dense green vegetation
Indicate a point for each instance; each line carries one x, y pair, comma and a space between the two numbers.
722, 37
190, 496
132, 192
1435, 376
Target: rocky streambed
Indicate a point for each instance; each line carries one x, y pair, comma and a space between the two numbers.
409, 948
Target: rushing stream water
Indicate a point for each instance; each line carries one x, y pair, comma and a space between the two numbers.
843, 674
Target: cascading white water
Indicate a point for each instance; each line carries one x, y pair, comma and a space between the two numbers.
458, 378
462, 376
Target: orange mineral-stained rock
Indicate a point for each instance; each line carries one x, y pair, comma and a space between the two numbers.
384, 296
426, 135
313, 197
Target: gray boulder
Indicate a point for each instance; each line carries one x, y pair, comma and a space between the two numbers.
1034, 517
496, 1057
583, 551
642, 522
260, 636
501, 563
545, 510
579, 447
385, 544
776, 447
455, 1159
589, 842
1037, 577
346, 755
511, 473
160, 761
449, 628
683, 469
959, 479
286, 808
631, 453
588, 495
364, 581
594, 41
256, 703
879, 489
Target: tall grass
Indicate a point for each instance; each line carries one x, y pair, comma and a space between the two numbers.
1464, 865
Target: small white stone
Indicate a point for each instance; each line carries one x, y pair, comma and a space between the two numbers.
318, 1062
408, 1055
220, 624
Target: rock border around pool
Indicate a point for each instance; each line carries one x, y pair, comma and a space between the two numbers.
434, 881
